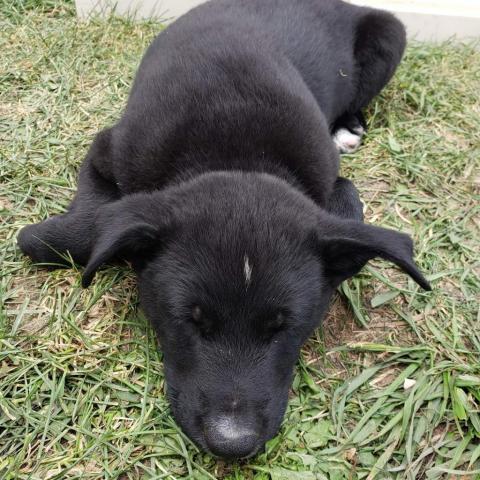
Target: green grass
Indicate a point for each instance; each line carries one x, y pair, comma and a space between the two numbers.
81, 381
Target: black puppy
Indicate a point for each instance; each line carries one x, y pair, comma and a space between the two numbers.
220, 184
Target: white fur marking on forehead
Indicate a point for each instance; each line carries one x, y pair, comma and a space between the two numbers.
247, 269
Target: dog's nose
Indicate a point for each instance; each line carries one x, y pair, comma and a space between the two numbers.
230, 437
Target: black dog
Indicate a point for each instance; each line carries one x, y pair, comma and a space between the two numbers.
220, 184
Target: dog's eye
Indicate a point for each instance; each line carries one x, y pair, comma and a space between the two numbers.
196, 314
277, 322
200, 321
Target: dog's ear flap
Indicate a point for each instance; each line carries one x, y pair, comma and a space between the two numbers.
125, 229
347, 245
121, 241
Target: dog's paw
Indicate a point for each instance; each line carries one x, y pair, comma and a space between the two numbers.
41, 243
348, 141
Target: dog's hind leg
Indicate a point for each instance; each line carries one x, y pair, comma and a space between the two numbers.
378, 48
345, 201
53, 240
379, 45
348, 131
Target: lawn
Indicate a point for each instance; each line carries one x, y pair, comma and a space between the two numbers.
388, 388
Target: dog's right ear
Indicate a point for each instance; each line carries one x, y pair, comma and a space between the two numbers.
128, 229
347, 245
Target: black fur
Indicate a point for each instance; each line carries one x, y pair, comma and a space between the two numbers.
220, 184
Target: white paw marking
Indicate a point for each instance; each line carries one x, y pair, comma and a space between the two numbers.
346, 141
247, 270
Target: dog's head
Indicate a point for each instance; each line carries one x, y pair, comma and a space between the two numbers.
235, 271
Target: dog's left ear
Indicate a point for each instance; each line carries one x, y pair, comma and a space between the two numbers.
347, 245
127, 229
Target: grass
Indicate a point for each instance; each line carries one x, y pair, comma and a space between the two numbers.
389, 388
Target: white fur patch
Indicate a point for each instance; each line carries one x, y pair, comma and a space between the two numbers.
247, 270
346, 141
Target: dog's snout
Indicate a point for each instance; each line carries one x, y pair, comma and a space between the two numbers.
231, 437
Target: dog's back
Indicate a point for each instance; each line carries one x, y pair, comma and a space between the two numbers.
233, 86
243, 85
317, 36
